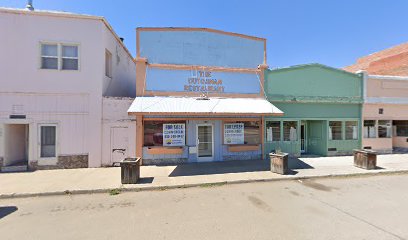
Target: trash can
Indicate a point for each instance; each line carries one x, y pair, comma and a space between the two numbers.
365, 159
279, 163
130, 170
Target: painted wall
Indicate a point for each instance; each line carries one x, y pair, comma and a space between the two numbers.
391, 95
316, 94
387, 88
115, 116
191, 47
70, 99
313, 83
378, 144
318, 110
190, 81
400, 142
122, 83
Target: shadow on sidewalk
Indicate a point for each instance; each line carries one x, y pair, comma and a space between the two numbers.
296, 163
4, 211
224, 167
209, 168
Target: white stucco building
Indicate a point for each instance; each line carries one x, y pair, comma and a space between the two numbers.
65, 80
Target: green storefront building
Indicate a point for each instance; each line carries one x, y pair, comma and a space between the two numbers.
322, 110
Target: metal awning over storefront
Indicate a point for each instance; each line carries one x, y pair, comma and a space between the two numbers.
203, 106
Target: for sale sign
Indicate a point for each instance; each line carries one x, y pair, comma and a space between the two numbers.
174, 134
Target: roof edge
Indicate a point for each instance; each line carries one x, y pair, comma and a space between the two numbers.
69, 15
314, 65
200, 29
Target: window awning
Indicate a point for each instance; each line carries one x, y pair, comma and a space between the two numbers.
199, 106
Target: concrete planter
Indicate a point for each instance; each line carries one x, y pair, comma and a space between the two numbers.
130, 170
365, 159
279, 163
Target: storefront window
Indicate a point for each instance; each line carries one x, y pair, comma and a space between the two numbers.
153, 132
251, 132
273, 130
369, 128
401, 128
335, 130
384, 128
289, 131
351, 130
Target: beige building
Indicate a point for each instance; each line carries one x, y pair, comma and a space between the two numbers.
385, 113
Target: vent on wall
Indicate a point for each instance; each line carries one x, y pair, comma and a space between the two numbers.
368, 147
332, 149
17, 116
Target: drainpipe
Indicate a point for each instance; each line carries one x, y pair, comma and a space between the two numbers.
364, 77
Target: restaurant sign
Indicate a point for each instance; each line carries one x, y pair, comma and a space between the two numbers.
204, 82
234, 133
174, 134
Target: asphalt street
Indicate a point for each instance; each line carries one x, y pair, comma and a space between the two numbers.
332, 208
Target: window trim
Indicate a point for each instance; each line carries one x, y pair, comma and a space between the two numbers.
375, 128
59, 55
345, 130
242, 121
395, 128
280, 131
283, 131
107, 52
378, 128
56, 141
342, 132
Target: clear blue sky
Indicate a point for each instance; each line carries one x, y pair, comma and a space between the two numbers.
330, 32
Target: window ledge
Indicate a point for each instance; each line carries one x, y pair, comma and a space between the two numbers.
243, 148
157, 150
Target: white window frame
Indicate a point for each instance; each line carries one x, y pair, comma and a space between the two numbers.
51, 160
387, 126
59, 55
375, 128
345, 130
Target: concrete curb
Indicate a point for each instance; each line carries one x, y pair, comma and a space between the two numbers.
191, 185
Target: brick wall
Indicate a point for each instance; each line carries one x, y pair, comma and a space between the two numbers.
391, 61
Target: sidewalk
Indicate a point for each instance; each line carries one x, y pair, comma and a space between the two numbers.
93, 180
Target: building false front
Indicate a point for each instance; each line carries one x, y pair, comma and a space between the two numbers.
199, 96
322, 107
385, 113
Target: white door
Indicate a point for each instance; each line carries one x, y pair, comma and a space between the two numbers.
205, 142
119, 143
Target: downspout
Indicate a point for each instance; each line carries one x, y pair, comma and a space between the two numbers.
364, 76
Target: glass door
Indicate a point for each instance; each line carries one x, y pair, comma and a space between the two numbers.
205, 142
303, 138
